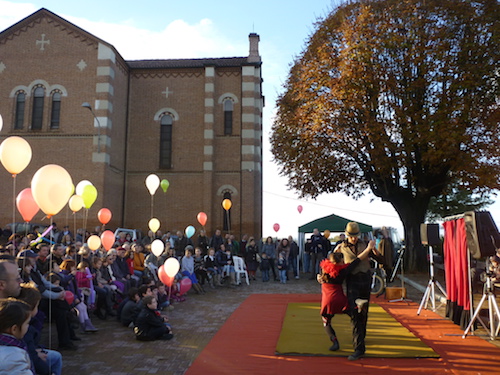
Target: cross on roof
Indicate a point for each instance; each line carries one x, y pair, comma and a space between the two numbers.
42, 42
166, 92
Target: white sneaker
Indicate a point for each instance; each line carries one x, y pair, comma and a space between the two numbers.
296, 277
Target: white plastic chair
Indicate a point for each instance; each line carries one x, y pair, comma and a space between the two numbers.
239, 269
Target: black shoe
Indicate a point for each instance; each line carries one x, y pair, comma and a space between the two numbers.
356, 355
167, 336
69, 346
111, 312
335, 345
99, 314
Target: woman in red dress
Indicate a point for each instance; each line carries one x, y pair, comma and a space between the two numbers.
333, 299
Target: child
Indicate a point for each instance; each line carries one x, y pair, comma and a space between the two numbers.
150, 325
131, 308
211, 266
282, 266
46, 362
15, 318
265, 266
69, 271
162, 297
187, 269
333, 299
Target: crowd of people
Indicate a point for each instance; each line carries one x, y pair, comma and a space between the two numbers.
57, 277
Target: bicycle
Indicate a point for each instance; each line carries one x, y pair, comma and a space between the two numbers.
378, 279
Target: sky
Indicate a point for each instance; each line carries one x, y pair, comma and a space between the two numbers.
163, 29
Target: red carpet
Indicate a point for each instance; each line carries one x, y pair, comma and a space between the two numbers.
247, 341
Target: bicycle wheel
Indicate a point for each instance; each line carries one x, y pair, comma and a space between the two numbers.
377, 285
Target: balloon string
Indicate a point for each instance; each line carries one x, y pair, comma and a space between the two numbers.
14, 207
50, 302
152, 199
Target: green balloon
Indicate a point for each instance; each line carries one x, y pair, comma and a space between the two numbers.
164, 185
89, 195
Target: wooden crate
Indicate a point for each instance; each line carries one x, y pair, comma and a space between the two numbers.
395, 293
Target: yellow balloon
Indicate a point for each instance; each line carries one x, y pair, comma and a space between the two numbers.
51, 187
152, 183
226, 204
94, 242
15, 154
75, 203
154, 224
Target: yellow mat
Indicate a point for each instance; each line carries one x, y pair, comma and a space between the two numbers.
303, 334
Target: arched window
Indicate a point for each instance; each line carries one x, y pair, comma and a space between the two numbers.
228, 117
55, 114
227, 214
166, 123
20, 104
37, 118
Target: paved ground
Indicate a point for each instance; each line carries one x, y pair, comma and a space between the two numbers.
114, 351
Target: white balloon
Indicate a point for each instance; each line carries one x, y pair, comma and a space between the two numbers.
152, 183
171, 266
157, 247
81, 185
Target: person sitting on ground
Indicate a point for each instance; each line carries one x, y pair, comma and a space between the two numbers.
131, 308
46, 361
15, 317
333, 300
68, 269
150, 324
163, 297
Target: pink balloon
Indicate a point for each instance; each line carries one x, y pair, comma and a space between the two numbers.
107, 239
185, 285
276, 227
69, 297
26, 204
300, 208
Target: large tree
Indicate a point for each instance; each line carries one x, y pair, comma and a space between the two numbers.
399, 97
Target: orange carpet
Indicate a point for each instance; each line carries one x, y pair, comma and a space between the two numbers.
246, 343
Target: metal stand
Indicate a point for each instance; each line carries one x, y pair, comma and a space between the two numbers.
430, 291
400, 263
494, 312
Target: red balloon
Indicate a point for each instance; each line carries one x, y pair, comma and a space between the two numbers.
202, 218
276, 227
104, 215
107, 239
165, 279
185, 285
69, 297
26, 204
300, 208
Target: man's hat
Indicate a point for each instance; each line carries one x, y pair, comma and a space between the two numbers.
27, 254
352, 229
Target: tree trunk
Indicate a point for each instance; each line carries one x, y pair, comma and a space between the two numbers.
412, 213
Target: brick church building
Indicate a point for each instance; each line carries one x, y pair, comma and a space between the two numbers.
195, 122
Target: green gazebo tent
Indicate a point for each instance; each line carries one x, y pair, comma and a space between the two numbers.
333, 223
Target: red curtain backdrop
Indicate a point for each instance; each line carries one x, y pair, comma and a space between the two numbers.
457, 272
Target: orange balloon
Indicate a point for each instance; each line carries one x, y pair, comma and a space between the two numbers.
26, 204
226, 204
202, 218
107, 239
104, 215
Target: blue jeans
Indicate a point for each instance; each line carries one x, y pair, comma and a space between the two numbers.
292, 264
54, 360
307, 262
282, 276
265, 275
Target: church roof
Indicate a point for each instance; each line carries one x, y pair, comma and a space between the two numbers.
189, 63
